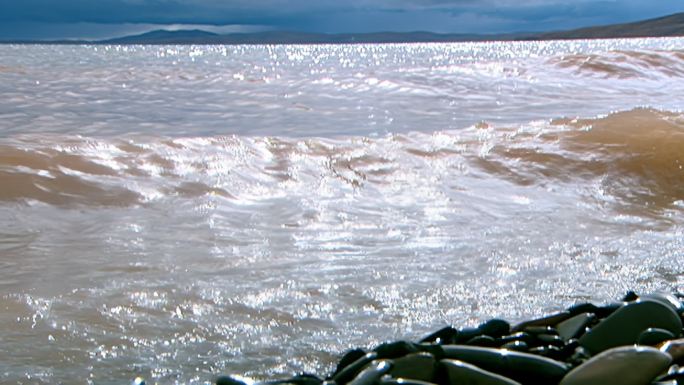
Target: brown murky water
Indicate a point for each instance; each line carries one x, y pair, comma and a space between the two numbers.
180, 212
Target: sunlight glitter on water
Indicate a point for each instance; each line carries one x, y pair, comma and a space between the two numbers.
235, 205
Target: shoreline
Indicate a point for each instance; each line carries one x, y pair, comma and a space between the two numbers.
638, 340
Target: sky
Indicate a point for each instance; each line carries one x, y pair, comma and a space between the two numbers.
94, 19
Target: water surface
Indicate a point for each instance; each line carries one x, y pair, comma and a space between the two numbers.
176, 212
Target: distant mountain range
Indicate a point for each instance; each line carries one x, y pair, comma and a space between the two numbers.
672, 25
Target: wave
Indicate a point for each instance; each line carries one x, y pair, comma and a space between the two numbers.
633, 158
624, 64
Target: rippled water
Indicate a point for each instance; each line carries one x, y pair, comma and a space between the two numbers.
176, 212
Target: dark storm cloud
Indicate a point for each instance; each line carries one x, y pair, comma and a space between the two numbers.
339, 15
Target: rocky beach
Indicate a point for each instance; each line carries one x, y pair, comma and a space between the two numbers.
635, 341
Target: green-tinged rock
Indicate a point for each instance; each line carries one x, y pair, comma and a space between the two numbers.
574, 327
522, 367
624, 326
625, 365
372, 373
352, 370
138, 381
654, 336
416, 366
454, 372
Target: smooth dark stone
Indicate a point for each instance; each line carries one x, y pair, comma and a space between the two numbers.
544, 321
454, 372
519, 336
300, 379
353, 369
600, 311
576, 326
416, 366
625, 365
668, 299
654, 336
578, 357
552, 352
624, 326
387, 380
372, 373
395, 349
568, 349
348, 358
583, 308
485, 341
522, 367
606, 310
233, 380
630, 296
495, 328
466, 334
550, 339
445, 335
518, 346
536, 330
435, 350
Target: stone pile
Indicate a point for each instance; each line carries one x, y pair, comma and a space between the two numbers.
637, 341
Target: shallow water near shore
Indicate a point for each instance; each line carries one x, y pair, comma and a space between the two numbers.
176, 212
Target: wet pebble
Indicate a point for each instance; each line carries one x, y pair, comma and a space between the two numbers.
625, 365
675, 348
586, 344
415, 366
522, 367
352, 370
624, 326
454, 372
574, 327
372, 373
654, 336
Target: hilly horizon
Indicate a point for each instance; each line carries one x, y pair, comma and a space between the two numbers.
671, 25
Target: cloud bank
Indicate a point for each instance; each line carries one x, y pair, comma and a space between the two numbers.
459, 16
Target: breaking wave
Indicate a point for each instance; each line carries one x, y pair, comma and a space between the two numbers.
624, 64
633, 157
